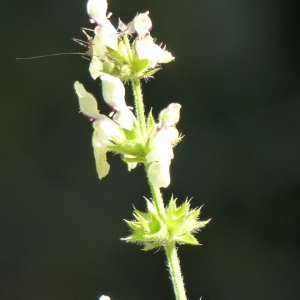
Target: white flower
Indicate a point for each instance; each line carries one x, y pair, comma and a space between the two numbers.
97, 10
147, 49
160, 158
105, 35
114, 95
142, 24
106, 131
160, 144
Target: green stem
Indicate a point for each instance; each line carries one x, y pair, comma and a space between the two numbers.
175, 271
170, 249
139, 106
158, 200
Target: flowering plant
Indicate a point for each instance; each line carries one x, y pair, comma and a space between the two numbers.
117, 57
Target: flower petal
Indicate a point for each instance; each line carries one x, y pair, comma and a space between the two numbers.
170, 115
108, 130
96, 67
159, 173
108, 34
162, 55
124, 118
100, 151
87, 102
97, 9
147, 49
142, 24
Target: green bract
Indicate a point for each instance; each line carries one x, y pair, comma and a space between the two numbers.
178, 225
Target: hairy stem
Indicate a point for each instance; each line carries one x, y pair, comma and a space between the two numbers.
170, 249
158, 200
175, 271
139, 106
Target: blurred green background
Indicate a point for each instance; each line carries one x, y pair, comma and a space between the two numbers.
237, 76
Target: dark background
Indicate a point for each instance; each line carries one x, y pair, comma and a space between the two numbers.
237, 77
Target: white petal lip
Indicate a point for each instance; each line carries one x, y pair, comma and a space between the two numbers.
113, 92
147, 49
159, 174
87, 102
105, 132
100, 150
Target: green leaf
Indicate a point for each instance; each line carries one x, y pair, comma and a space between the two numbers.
171, 210
187, 239
150, 123
151, 246
150, 73
122, 49
182, 209
133, 225
139, 66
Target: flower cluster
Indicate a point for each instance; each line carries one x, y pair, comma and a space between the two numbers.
122, 135
111, 51
113, 59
